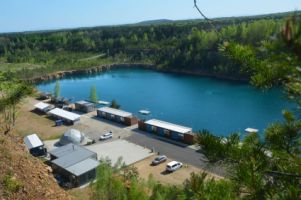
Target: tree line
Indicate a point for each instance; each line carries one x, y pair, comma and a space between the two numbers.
185, 45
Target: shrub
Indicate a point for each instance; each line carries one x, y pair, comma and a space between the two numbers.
11, 184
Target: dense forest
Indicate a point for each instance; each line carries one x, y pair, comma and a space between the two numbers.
191, 45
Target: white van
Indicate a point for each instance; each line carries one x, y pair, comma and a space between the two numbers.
173, 166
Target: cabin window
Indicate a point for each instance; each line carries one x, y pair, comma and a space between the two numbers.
154, 129
113, 116
103, 114
122, 119
166, 132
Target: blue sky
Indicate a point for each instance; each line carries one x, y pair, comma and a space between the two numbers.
24, 15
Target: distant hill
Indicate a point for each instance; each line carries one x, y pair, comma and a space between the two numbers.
158, 22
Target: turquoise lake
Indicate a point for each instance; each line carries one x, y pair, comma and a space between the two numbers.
201, 103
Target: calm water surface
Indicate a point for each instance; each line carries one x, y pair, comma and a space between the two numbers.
201, 103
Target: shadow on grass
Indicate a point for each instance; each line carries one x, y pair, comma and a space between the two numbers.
37, 112
164, 173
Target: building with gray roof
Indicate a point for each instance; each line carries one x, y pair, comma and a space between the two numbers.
116, 115
85, 106
34, 145
76, 164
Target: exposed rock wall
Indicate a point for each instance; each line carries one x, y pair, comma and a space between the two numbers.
92, 70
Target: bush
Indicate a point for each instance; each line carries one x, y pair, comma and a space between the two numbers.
11, 184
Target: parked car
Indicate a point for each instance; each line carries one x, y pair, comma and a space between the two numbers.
159, 159
173, 166
106, 136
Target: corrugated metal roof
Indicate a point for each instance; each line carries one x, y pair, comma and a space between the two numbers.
70, 154
116, 112
65, 114
169, 126
67, 149
41, 105
32, 141
83, 166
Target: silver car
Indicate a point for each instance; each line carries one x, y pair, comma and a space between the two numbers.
159, 159
106, 136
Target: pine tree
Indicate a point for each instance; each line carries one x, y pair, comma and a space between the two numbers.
114, 104
57, 89
93, 94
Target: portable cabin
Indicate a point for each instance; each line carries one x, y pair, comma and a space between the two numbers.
168, 130
75, 164
35, 145
61, 101
43, 107
64, 115
45, 95
85, 106
116, 115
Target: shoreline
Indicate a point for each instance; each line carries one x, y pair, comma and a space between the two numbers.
107, 67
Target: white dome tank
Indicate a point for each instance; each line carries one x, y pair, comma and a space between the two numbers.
72, 136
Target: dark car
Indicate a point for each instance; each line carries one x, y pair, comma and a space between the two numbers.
159, 159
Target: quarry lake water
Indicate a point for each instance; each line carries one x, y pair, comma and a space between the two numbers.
201, 103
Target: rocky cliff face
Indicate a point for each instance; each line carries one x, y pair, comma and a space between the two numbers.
103, 68
23, 176
92, 70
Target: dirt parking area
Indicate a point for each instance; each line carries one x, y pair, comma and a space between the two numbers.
94, 127
159, 174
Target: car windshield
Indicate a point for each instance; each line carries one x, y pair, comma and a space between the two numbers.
159, 158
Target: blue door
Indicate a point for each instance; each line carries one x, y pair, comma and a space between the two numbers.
175, 136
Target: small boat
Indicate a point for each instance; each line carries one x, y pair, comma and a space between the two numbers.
103, 102
251, 130
144, 112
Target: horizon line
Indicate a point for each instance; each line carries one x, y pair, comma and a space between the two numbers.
137, 23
